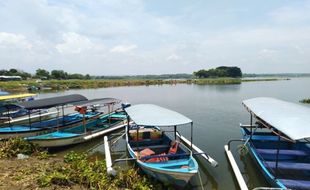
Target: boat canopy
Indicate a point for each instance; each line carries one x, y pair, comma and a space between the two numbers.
291, 119
152, 115
100, 101
15, 96
8, 107
52, 102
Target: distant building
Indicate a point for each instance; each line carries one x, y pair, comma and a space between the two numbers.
8, 78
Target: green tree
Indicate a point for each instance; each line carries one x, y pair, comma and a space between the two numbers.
222, 71
59, 74
40, 73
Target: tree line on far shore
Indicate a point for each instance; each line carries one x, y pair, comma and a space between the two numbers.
44, 74
223, 71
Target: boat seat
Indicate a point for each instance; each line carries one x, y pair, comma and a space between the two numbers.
288, 165
282, 152
295, 184
151, 147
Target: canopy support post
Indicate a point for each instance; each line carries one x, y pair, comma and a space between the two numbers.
251, 123
128, 126
85, 129
63, 115
57, 123
40, 115
29, 119
277, 156
191, 137
175, 132
138, 140
10, 125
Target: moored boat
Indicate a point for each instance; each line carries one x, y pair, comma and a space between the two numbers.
279, 141
87, 129
9, 129
8, 109
158, 153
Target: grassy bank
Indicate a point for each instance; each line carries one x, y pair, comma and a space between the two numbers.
262, 79
73, 171
22, 86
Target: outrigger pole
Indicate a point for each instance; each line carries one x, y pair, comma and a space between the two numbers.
198, 150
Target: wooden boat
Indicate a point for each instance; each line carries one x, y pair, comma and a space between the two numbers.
157, 153
279, 141
86, 130
9, 110
38, 127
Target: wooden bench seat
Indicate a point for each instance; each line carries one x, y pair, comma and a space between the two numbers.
295, 184
283, 152
288, 165
152, 147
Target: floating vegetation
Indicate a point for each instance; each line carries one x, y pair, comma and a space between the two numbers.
78, 170
263, 79
243, 150
305, 101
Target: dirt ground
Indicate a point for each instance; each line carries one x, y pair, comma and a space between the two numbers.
23, 174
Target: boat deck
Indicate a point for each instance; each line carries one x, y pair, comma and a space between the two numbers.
293, 166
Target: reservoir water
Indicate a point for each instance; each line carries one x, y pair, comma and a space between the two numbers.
216, 111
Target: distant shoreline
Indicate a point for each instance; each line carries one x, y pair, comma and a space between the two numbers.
59, 85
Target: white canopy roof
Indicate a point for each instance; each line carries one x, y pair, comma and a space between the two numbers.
152, 115
291, 119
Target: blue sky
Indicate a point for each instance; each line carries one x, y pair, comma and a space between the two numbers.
111, 37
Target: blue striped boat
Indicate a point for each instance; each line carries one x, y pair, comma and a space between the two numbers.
82, 132
278, 141
158, 154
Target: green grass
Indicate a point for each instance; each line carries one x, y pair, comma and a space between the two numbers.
13, 146
216, 81
55, 85
263, 79
77, 169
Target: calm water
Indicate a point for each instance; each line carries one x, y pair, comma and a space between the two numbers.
216, 112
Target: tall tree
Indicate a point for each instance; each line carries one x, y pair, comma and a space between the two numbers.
42, 73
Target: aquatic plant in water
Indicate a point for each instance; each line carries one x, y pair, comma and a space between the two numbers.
77, 169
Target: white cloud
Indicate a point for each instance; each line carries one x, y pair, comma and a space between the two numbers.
123, 48
148, 37
10, 40
291, 15
173, 57
74, 43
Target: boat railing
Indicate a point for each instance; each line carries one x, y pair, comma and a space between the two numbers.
247, 125
234, 140
168, 155
269, 188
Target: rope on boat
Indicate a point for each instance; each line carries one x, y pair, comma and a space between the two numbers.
200, 180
